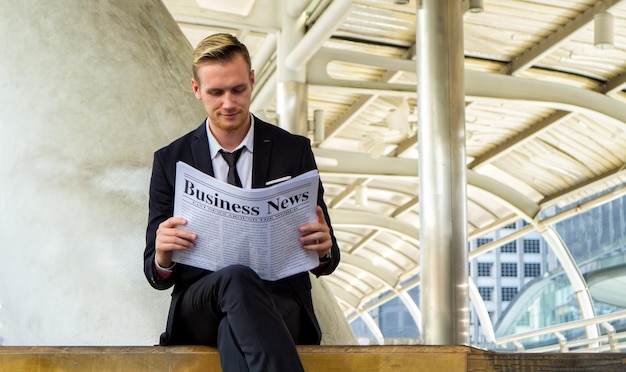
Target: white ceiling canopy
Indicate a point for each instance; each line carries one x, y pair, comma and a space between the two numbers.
239, 7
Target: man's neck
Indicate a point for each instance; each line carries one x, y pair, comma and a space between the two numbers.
229, 140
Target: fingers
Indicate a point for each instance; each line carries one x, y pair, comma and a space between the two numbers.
320, 215
321, 247
316, 236
170, 236
320, 225
173, 222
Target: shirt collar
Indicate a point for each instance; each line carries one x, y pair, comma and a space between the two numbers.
248, 140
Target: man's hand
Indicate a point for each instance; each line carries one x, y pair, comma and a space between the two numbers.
316, 236
170, 237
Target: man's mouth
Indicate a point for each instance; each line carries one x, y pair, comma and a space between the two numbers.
230, 115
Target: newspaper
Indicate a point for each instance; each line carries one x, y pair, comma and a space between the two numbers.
257, 228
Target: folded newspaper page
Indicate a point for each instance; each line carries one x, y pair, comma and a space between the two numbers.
257, 228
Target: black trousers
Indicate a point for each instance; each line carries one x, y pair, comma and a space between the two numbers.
254, 324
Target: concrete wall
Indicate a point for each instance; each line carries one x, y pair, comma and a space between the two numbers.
88, 91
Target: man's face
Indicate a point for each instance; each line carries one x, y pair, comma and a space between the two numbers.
225, 90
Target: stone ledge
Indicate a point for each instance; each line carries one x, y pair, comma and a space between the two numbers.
314, 358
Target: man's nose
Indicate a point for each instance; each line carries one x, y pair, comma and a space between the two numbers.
229, 100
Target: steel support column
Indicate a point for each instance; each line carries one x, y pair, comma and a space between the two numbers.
291, 92
442, 181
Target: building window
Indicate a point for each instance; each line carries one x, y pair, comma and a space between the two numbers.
510, 247
532, 246
508, 293
483, 241
485, 293
484, 268
509, 269
510, 226
532, 270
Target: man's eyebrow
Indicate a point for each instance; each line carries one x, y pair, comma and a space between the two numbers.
220, 89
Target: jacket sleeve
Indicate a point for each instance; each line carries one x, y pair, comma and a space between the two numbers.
161, 207
335, 253
328, 268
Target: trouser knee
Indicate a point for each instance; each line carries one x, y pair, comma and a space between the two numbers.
242, 272
239, 276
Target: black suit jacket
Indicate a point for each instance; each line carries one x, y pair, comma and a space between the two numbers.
277, 153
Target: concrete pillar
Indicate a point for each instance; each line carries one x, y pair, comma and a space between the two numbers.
89, 90
442, 173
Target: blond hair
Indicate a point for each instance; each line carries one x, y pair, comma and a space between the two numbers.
219, 48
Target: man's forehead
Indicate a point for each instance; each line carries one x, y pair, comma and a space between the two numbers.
223, 75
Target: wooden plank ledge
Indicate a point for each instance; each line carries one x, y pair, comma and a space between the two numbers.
395, 358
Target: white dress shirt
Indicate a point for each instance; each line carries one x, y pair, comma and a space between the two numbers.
244, 164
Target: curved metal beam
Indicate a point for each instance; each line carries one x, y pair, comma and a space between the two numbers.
373, 327
385, 277
561, 251
353, 303
412, 308
394, 226
574, 275
479, 85
346, 297
484, 85
344, 162
321, 31
516, 201
481, 312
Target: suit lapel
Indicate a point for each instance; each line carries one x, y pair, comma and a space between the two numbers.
200, 151
262, 151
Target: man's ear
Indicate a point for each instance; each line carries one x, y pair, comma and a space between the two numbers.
196, 88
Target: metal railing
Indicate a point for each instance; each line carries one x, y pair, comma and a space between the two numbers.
608, 341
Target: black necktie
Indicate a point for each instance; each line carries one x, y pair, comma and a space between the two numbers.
231, 158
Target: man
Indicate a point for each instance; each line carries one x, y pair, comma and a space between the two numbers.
255, 324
